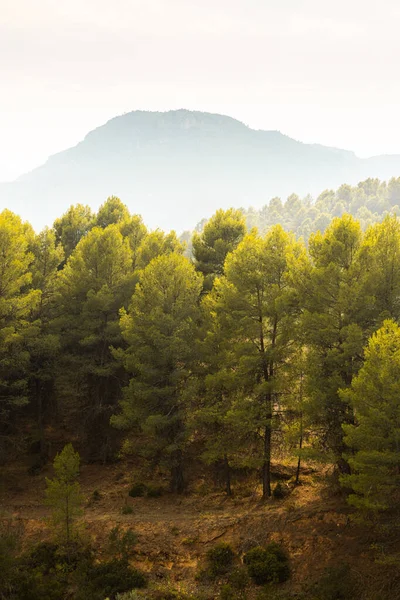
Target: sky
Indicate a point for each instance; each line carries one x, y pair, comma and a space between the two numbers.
318, 71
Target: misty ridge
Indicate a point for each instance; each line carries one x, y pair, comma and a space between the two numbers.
178, 167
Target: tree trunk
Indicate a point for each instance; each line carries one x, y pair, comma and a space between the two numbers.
43, 453
266, 470
300, 447
227, 469
177, 477
343, 466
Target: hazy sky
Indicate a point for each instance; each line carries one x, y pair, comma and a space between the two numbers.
317, 70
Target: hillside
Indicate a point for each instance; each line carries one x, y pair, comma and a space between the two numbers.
174, 534
175, 168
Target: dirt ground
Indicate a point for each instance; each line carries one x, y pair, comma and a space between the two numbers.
174, 533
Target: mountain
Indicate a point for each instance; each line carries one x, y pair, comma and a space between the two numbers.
177, 167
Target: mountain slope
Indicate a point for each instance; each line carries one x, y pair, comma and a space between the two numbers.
175, 168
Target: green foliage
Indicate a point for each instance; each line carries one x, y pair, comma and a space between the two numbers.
333, 322
34, 585
239, 579
227, 592
127, 510
17, 302
45, 571
279, 491
336, 583
155, 244
72, 227
107, 579
44, 346
10, 539
138, 490
113, 211
63, 492
252, 314
220, 559
221, 234
121, 543
269, 564
155, 491
374, 438
159, 330
94, 284
96, 496
98, 313
132, 595
368, 202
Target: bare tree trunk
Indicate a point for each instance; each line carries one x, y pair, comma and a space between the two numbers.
300, 447
266, 471
301, 430
227, 476
177, 477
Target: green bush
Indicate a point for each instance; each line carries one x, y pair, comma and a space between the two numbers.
227, 592
267, 565
279, 491
126, 509
43, 556
154, 491
220, 559
121, 544
34, 585
96, 496
239, 579
335, 584
49, 557
106, 580
132, 595
138, 490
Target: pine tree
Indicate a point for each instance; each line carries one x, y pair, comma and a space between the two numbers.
17, 302
44, 346
160, 330
256, 310
95, 283
156, 244
72, 227
374, 438
333, 323
63, 493
221, 234
113, 211
380, 260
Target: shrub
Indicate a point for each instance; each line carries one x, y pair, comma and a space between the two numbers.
220, 559
227, 592
126, 509
49, 557
121, 543
132, 595
137, 490
239, 579
110, 578
279, 491
335, 584
44, 556
34, 585
154, 491
63, 493
96, 496
267, 565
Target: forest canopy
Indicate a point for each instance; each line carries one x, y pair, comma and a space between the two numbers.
252, 342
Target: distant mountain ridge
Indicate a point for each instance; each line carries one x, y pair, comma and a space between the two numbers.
177, 167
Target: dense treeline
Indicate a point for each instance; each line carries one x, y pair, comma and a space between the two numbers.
370, 201
256, 344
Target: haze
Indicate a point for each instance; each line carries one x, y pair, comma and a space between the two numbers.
315, 71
